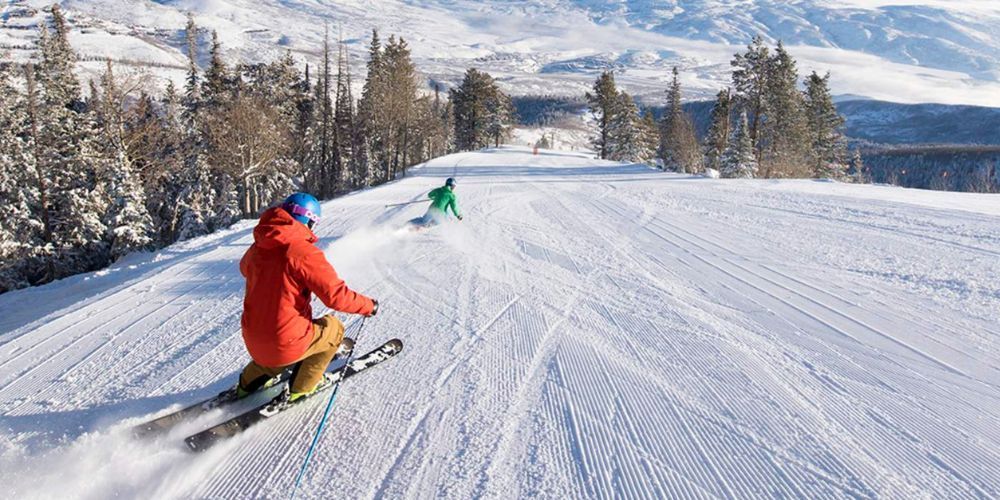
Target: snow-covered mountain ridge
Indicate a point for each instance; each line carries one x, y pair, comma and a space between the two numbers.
932, 51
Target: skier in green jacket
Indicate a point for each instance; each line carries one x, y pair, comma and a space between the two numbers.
442, 199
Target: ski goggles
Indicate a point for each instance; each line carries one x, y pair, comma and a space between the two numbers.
303, 211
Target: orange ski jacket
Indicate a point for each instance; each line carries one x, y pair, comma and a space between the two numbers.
283, 268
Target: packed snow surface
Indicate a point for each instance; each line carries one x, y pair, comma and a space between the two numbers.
590, 330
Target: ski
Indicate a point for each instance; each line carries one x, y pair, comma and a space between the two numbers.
225, 430
162, 425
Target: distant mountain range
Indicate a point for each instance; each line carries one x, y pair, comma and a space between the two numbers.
869, 122
934, 51
889, 123
892, 123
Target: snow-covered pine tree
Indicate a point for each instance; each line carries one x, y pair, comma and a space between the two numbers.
218, 84
650, 136
320, 159
424, 128
232, 198
34, 107
622, 141
829, 147
750, 79
858, 172
197, 194
739, 160
446, 116
499, 116
666, 149
197, 199
785, 131
626, 135
603, 101
164, 201
678, 149
436, 125
304, 129
471, 102
372, 114
281, 80
129, 226
21, 230
73, 204
718, 132
688, 151
400, 97
343, 122
192, 83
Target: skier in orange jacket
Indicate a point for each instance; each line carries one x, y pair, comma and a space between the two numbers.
283, 268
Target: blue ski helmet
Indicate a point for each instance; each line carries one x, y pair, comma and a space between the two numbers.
303, 207
450, 182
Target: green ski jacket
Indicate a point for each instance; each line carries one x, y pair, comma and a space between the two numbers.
442, 198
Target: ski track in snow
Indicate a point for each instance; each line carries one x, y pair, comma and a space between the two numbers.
591, 330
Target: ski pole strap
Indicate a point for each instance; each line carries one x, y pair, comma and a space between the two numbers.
326, 413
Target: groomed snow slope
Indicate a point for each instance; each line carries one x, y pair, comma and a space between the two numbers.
590, 330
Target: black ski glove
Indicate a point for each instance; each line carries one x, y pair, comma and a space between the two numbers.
374, 309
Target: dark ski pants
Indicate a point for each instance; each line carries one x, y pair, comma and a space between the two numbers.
328, 333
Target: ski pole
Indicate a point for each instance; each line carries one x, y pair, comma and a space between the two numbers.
404, 203
326, 412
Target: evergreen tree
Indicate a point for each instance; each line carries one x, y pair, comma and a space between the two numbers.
129, 225
678, 148
372, 115
343, 121
858, 171
739, 160
429, 130
196, 197
304, 129
482, 112
750, 81
196, 200
718, 133
626, 138
785, 131
34, 108
163, 200
650, 131
192, 85
72, 203
282, 81
499, 116
400, 97
826, 139
321, 162
55, 74
443, 125
470, 110
20, 227
603, 102
688, 151
667, 149
218, 83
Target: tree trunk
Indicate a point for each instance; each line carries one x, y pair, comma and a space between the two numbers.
246, 197
43, 200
